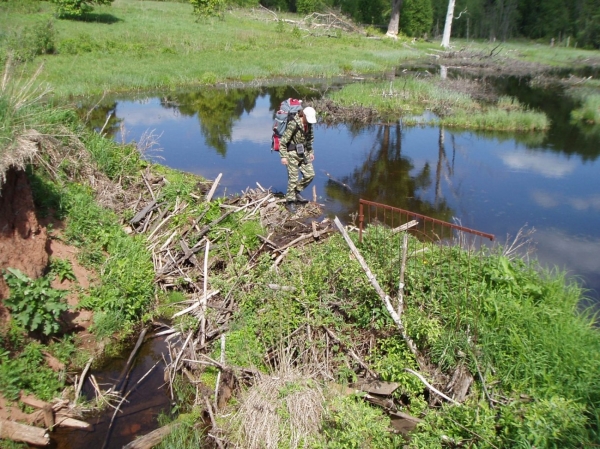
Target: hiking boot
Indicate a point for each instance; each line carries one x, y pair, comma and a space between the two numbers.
290, 206
300, 198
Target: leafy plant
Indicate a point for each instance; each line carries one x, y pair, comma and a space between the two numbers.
63, 269
34, 303
76, 8
207, 8
350, 423
28, 42
26, 370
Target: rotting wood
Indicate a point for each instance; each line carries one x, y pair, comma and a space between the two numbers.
67, 421
153, 438
14, 431
222, 361
82, 378
145, 211
431, 387
376, 386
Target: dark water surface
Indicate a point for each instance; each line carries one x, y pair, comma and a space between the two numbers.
138, 415
493, 182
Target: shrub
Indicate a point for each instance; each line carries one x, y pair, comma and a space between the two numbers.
308, 6
34, 303
207, 8
27, 371
350, 423
28, 42
76, 8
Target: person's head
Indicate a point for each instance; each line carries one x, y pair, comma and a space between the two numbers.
310, 115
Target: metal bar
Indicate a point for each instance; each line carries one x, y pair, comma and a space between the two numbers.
361, 219
425, 218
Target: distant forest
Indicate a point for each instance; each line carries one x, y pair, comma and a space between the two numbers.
568, 22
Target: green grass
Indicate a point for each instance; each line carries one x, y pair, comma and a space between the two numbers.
152, 44
161, 45
410, 97
520, 328
589, 112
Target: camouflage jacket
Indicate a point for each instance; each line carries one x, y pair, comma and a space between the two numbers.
294, 134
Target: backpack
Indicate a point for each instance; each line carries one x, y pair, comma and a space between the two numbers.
288, 109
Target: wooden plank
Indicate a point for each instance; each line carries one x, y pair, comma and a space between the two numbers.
376, 386
405, 226
32, 401
11, 430
65, 421
151, 439
141, 214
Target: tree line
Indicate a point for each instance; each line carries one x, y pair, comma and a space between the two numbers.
568, 22
563, 22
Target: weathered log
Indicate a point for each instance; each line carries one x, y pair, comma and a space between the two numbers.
151, 439
405, 226
376, 386
11, 430
145, 211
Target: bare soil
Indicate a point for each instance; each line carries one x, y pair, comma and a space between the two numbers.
25, 244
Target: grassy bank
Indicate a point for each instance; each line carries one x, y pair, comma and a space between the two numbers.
161, 45
411, 97
145, 44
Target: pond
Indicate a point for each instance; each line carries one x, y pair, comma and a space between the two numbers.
496, 182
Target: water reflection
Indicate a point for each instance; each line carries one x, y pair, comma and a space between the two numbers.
494, 182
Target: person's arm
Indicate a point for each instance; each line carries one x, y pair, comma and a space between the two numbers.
285, 140
311, 139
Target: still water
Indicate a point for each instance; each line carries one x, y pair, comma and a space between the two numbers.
493, 182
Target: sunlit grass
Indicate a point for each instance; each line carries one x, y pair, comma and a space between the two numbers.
499, 119
160, 45
589, 112
410, 97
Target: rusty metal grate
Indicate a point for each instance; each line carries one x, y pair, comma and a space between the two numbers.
423, 260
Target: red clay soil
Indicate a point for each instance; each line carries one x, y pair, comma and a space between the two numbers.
24, 243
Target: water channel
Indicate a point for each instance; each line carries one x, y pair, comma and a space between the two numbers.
494, 182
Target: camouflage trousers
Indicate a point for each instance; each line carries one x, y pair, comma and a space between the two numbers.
295, 166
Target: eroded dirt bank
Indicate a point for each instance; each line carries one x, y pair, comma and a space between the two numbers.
23, 241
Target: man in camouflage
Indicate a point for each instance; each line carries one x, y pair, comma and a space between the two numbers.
296, 152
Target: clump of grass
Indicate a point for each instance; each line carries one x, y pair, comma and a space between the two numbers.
281, 409
20, 109
589, 112
411, 96
499, 119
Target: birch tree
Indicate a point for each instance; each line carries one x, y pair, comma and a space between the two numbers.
448, 25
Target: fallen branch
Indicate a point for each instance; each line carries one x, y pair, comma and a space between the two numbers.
385, 298
431, 387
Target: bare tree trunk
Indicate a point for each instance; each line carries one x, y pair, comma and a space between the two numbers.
448, 26
395, 19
